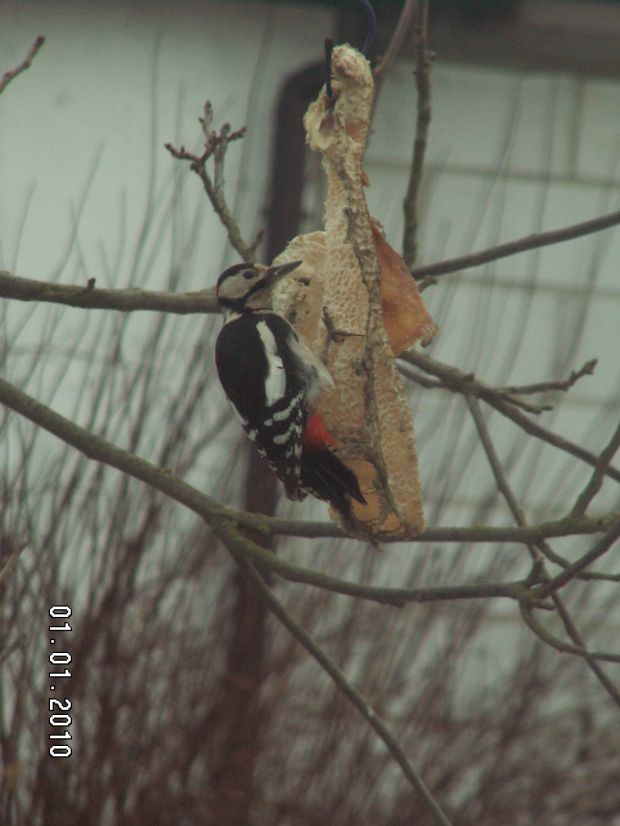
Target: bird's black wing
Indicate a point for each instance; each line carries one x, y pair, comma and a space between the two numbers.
270, 406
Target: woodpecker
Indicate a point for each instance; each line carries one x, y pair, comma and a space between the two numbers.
274, 383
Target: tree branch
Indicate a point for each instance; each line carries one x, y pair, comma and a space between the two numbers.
530, 242
575, 636
551, 386
457, 381
216, 145
539, 571
349, 691
501, 480
601, 548
226, 522
7, 77
405, 21
91, 298
568, 526
422, 69
597, 478
82, 439
431, 384
565, 647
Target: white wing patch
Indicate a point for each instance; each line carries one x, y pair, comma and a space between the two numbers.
275, 382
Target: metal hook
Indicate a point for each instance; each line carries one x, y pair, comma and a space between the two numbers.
329, 47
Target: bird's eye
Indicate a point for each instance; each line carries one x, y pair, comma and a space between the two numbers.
248, 274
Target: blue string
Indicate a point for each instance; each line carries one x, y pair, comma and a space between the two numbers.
329, 45
372, 26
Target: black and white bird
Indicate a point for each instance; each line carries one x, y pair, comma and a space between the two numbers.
274, 383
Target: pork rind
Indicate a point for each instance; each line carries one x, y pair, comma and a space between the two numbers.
351, 271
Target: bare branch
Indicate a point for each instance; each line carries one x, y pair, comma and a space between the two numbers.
457, 381
431, 384
565, 647
596, 480
539, 571
80, 439
216, 145
90, 298
218, 160
587, 559
569, 526
575, 636
343, 684
502, 483
422, 69
7, 77
226, 521
394, 46
11, 551
550, 386
397, 597
530, 242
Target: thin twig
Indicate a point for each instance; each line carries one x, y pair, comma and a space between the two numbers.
558, 559
11, 552
457, 381
550, 386
566, 648
501, 480
218, 202
343, 684
7, 77
528, 407
218, 160
394, 46
433, 384
539, 570
422, 69
577, 639
529, 242
565, 576
596, 480
216, 145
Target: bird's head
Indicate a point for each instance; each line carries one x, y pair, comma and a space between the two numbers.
248, 286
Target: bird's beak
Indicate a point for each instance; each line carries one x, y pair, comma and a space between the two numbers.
274, 274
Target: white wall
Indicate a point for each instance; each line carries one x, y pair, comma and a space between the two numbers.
112, 83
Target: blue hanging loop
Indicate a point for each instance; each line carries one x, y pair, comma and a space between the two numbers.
372, 27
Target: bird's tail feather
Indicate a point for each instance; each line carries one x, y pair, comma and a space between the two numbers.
325, 476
